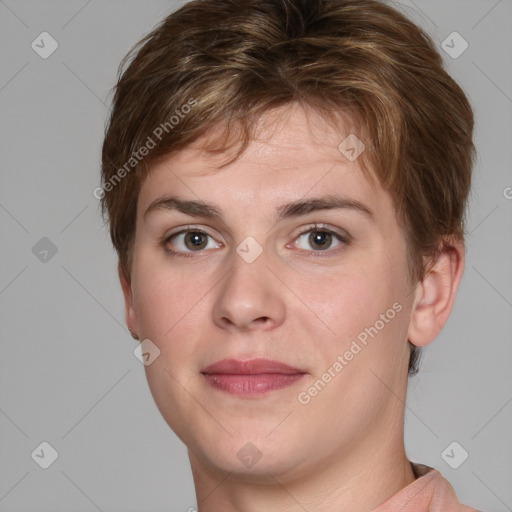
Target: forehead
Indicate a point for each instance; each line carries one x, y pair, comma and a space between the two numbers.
294, 154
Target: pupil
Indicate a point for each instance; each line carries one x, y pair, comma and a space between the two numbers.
320, 238
196, 240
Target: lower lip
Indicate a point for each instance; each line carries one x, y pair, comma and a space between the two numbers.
251, 385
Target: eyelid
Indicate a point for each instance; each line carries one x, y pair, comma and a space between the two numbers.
183, 230
344, 239
314, 225
320, 226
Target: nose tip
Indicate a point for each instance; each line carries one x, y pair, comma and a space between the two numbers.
248, 298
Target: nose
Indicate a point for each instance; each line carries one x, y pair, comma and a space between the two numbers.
250, 297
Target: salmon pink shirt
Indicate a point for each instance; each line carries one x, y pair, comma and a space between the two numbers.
430, 492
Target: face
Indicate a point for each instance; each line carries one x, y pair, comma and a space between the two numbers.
299, 259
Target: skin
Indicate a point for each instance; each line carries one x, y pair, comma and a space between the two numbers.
344, 449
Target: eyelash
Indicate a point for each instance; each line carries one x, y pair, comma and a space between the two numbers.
314, 228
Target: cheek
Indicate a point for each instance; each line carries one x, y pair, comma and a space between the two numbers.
361, 310
346, 301
163, 297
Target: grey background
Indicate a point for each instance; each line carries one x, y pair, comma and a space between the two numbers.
68, 375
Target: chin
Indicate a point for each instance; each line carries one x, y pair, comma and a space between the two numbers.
248, 457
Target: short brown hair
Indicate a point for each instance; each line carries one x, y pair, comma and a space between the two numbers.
230, 61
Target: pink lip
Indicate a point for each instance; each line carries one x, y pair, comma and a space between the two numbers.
250, 367
252, 377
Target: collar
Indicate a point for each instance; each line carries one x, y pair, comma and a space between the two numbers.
430, 492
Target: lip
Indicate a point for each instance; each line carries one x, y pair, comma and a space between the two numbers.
250, 367
252, 377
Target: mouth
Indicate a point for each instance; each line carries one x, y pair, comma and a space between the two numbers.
254, 377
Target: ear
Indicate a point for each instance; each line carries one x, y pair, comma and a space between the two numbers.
130, 314
435, 294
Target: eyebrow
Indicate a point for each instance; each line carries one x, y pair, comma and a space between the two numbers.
287, 210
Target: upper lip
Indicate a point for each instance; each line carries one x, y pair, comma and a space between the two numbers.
250, 367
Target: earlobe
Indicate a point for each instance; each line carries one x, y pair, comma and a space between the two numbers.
130, 313
435, 295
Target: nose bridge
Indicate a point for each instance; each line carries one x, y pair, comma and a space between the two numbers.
249, 294
246, 282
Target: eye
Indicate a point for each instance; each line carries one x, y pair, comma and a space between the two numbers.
319, 238
189, 240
